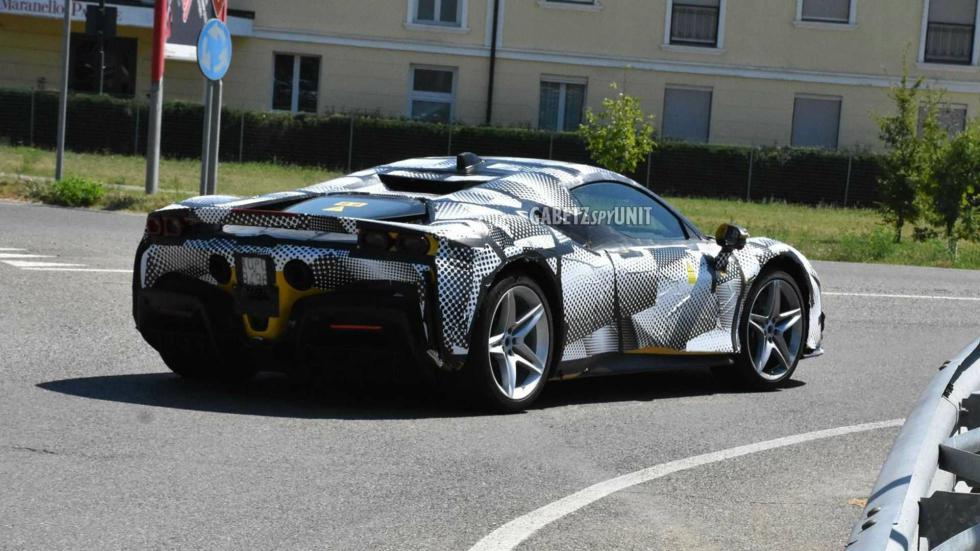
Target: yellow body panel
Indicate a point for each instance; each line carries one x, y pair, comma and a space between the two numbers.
287, 298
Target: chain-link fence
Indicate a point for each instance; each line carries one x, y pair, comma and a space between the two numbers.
350, 142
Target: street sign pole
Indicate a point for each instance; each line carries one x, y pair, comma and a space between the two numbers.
214, 141
156, 99
206, 137
101, 38
213, 58
59, 164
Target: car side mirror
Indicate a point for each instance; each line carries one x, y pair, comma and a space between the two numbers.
731, 237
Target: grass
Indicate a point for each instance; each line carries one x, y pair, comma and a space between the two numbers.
828, 233
822, 233
177, 177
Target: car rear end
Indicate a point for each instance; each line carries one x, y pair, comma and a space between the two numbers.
295, 285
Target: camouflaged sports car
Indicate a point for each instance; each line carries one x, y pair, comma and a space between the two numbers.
499, 272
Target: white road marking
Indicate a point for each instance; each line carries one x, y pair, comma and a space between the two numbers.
39, 266
513, 533
108, 270
24, 255
883, 295
33, 264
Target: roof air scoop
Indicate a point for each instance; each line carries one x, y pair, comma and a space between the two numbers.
467, 163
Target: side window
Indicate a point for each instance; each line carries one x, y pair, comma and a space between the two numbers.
629, 212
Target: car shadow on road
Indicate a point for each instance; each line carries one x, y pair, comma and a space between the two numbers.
641, 387
268, 395
272, 395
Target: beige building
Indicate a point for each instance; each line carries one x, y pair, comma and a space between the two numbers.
760, 72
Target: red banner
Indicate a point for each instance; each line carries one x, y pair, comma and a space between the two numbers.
161, 31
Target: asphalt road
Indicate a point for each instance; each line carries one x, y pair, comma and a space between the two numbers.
101, 447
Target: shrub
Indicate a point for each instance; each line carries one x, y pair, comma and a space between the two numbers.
620, 135
952, 193
911, 152
74, 192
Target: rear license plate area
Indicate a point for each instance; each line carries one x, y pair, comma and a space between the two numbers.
255, 271
256, 294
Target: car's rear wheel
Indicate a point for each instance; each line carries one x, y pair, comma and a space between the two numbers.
512, 346
772, 333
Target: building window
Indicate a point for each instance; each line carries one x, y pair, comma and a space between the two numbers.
577, 2
951, 117
437, 12
826, 11
119, 77
695, 22
296, 83
949, 31
816, 122
562, 102
432, 96
687, 114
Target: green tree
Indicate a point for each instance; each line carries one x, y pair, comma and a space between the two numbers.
910, 155
952, 194
620, 135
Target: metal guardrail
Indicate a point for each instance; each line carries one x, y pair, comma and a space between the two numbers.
928, 492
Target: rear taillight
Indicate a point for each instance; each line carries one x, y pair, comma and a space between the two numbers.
173, 227
166, 225
406, 243
154, 226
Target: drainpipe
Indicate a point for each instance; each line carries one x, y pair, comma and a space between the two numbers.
493, 59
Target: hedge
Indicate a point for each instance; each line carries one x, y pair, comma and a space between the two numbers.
104, 124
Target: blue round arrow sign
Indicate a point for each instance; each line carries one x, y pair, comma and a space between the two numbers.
214, 49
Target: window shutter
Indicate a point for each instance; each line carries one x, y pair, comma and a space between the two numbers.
816, 122
687, 114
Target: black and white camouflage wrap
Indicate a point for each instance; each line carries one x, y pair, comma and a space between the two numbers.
656, 297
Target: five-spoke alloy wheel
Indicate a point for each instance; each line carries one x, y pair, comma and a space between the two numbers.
514, 343
772, 331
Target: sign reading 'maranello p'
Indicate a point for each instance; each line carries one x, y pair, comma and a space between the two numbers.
42, 8
128, 15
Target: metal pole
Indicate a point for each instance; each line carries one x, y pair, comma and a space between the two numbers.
59, 165
551, 146
493, 60
748, 184
153, 137
205, 137
215, 140
155, 109
449, 147
101, 42
847, 183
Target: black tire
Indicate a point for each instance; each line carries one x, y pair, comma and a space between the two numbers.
478, 374
744, 373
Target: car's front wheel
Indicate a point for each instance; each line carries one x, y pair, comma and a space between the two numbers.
513, 345
772, 333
